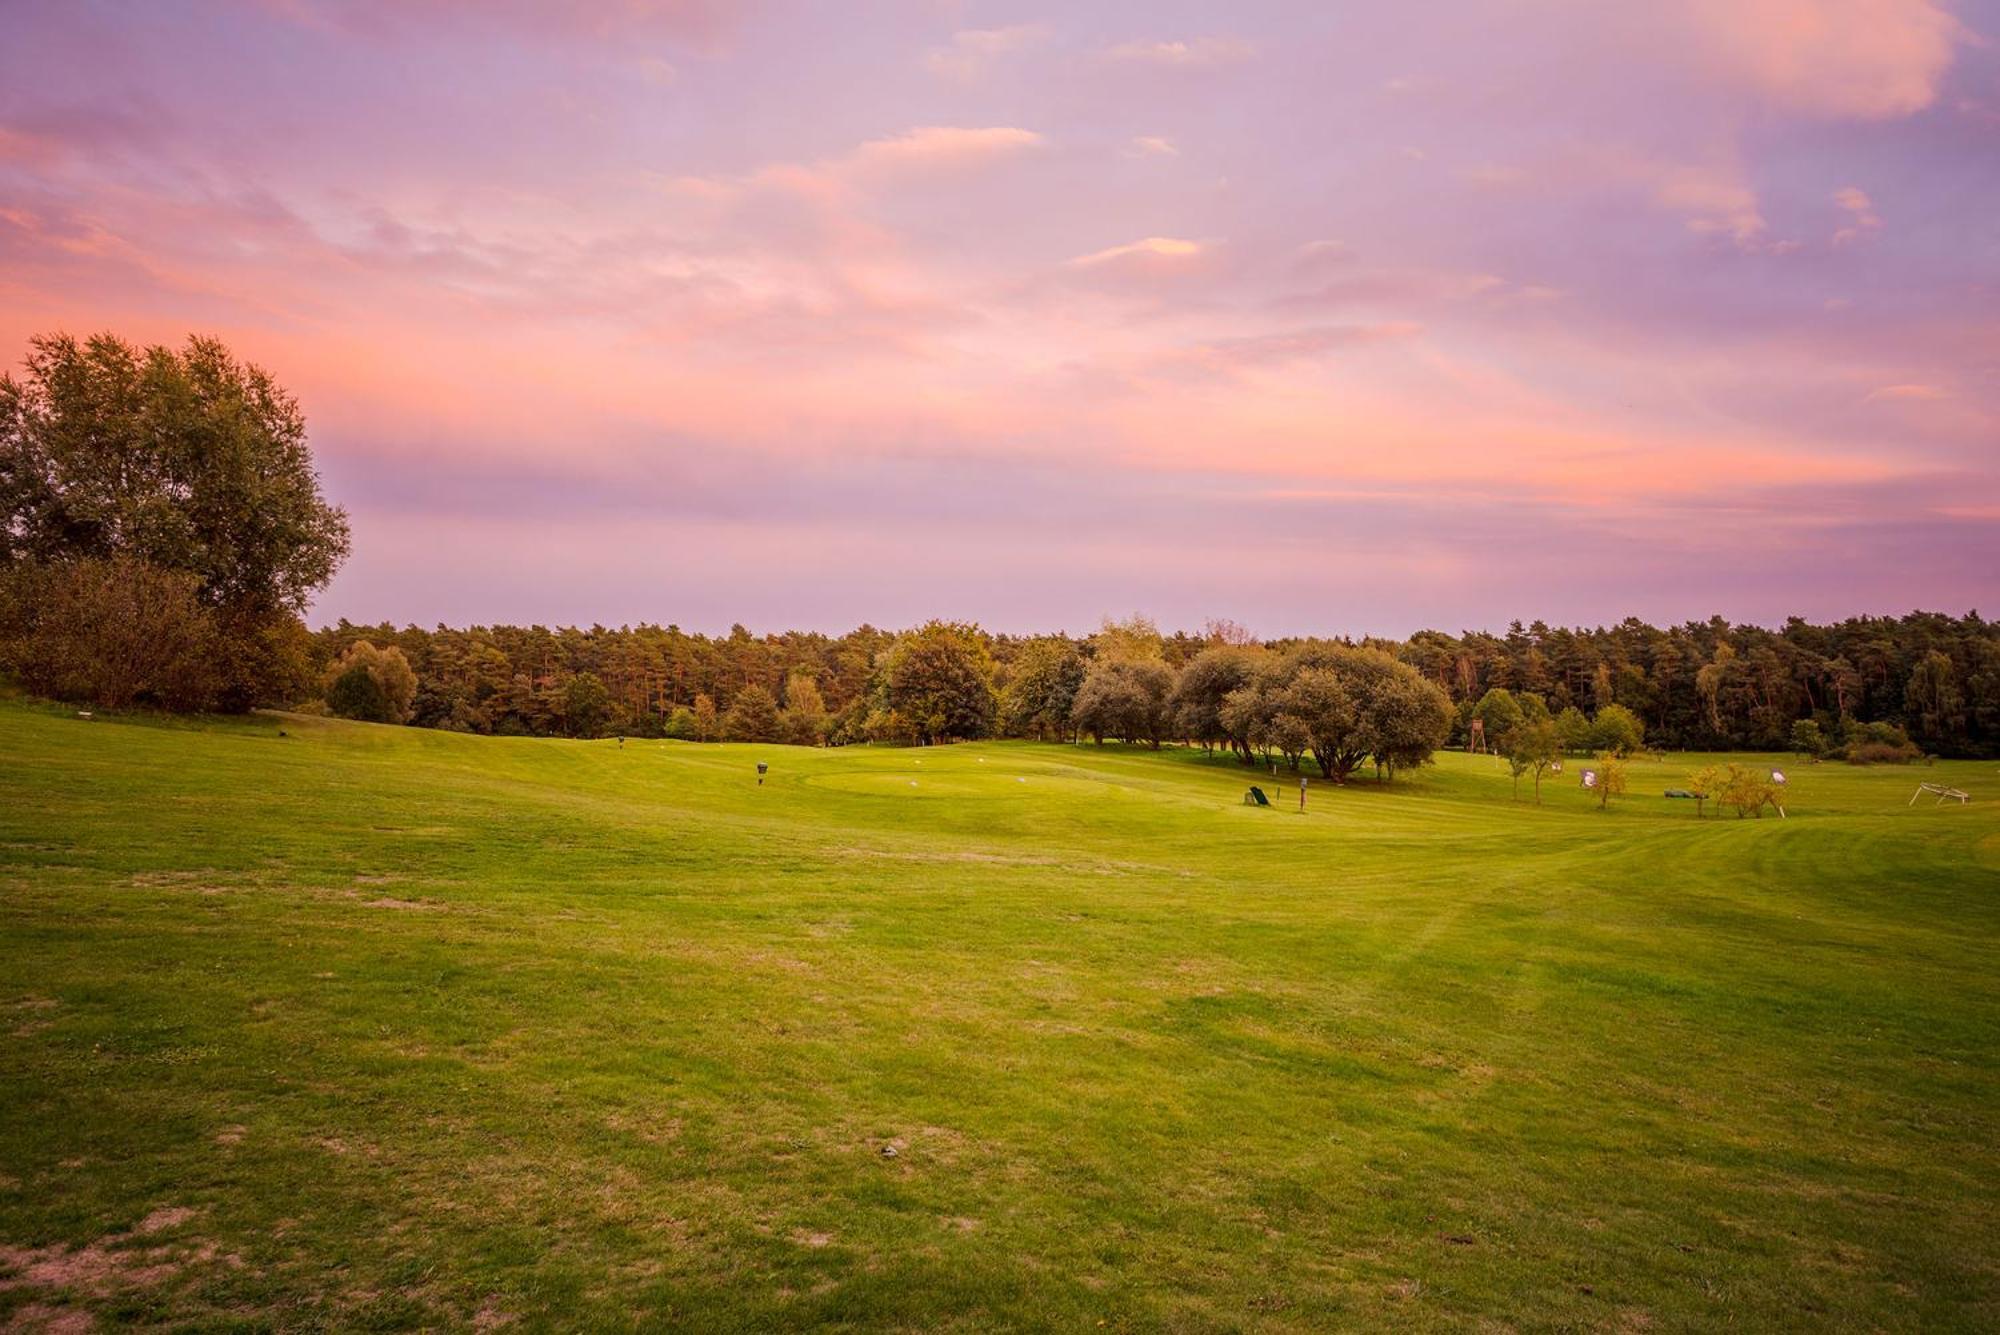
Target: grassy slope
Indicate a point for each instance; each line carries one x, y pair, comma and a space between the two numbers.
429, 1030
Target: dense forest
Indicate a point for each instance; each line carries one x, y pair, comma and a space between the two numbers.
1703, 685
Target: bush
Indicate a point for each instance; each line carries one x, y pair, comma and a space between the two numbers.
1748, 791
261, 658
1617, 730
391, 673
111, 632
1880, 744
356, 694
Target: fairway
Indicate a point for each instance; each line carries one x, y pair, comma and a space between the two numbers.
307, 1024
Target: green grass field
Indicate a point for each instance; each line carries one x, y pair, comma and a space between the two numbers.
377, 1028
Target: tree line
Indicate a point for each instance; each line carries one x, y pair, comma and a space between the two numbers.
162, 532
1342, 705
1872, 686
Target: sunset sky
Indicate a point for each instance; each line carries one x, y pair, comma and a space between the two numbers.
1336, 317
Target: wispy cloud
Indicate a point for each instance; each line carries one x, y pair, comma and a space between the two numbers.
932, 146
1188, 53
1293, 345
1908, 393
1860, 210
1147, 248
971, 51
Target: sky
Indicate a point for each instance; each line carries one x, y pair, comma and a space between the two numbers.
1325, 317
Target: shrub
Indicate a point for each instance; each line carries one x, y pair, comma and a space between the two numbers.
357, 695
1747, 791
1880, 744
392, 676
1617, 730
111, 632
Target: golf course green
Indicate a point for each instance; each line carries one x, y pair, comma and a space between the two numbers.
307, 1024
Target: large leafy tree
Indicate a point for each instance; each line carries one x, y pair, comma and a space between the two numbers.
1407, 718
188, 460
805, 717
586, 705
1042, 687
1499, 714
1318, 698
184, 461
939, 678
1126, 698
1618, 730
1204, 684
753, 716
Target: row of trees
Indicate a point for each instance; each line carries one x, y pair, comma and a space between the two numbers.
1929, 683
162, 530
1342, 705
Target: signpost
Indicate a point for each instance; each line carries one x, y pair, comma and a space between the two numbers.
1302, 792
1590, 778
1778, 782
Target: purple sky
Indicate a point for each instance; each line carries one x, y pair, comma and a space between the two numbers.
1325, 317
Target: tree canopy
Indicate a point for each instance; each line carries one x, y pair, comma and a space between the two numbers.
186, 460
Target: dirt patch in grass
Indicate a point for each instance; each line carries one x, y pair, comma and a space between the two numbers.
162, 1219
108, 1267
959, 856
204, 882
491, 1317
404, 905
47, 1320
654, 1129
34, 1015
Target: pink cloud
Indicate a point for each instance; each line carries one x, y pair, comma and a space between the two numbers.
1866, 59
1908, 393
1185, 54
971, 51
1146, 250
931, 147
1303, 344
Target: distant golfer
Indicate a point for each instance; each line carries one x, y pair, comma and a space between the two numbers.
761, 767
